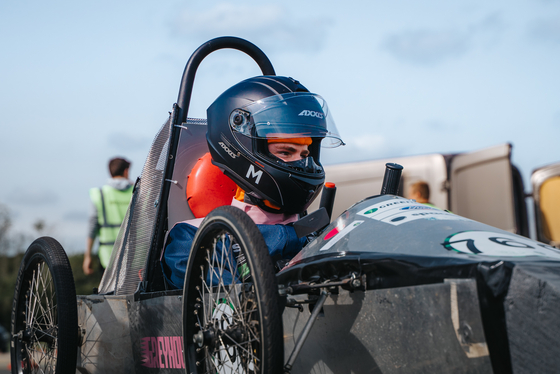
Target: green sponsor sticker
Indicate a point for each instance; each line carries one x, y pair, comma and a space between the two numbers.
244, 270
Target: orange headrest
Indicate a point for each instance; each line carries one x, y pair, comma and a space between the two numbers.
208, 188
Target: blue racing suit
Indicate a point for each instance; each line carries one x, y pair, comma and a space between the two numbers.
281, 240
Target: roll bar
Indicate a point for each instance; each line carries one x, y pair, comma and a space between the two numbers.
179, 116
204, 50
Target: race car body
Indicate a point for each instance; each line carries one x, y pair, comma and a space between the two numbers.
423, 274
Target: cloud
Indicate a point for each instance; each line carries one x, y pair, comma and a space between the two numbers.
429, 47
124, 142
487, 31
426, 47
267, 25
438, 126
32, 197
545, 29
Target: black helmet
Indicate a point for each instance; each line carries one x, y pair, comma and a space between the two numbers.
246, 116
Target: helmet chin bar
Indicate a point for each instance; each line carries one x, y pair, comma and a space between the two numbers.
307, 165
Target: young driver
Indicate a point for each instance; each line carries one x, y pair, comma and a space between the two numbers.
265, 133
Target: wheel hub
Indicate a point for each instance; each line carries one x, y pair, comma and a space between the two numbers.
204, 337
208, 337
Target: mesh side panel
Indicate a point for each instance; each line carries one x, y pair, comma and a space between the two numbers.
192, 145
135, 236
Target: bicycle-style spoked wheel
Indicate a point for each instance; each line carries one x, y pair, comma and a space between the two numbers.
231, 316
44, 312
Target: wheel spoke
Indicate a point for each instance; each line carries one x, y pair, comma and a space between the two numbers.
234, 302
220, 264
225, 350
233, 357
240, 345
41, 322
46, 292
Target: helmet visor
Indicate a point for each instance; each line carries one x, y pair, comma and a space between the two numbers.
293, 115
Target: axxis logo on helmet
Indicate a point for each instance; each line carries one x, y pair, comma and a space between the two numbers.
229, 151
311, 113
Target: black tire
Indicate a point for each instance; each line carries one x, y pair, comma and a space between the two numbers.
233, 328
44, 312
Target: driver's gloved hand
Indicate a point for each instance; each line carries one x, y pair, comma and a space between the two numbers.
282, 241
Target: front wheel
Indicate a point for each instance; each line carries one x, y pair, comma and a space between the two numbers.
44, 312
231, 316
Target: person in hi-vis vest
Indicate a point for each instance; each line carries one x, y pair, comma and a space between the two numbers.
109, 206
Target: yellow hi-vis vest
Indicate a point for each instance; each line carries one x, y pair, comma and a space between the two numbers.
111, 205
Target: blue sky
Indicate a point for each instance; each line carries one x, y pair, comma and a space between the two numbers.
81, 82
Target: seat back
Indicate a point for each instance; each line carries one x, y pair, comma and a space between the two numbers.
208, 187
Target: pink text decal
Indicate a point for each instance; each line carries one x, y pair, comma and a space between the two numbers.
164, 352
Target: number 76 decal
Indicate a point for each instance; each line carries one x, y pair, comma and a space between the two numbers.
495, 244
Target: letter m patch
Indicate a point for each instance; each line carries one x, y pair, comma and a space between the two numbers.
251, 173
